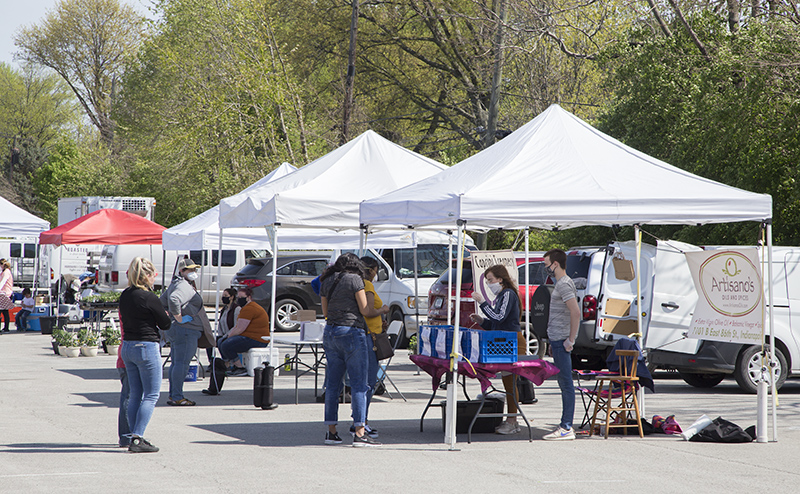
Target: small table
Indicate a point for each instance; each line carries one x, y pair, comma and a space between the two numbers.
535, 370
316, 350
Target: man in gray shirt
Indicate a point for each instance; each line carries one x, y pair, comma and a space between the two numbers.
562, 329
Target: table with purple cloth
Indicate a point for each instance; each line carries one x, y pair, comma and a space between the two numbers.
536, 371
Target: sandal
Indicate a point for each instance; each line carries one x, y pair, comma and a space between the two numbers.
181, 403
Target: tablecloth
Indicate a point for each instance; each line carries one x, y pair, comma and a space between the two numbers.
535, 370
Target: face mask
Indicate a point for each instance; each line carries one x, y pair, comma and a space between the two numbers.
550, 271
241, 301
226, 300
375, 278
191, 276
496, 287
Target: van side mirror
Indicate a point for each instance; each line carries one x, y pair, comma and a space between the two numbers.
383, 275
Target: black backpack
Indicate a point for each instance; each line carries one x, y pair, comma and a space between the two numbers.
217, 376
722, 431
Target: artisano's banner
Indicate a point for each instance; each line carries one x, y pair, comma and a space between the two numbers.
731, 302
483, 259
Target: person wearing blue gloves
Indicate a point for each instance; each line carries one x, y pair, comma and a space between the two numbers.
183, 303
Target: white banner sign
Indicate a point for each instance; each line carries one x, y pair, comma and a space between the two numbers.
730, 302
484, 259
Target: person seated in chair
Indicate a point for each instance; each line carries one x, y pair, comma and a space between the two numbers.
253, 323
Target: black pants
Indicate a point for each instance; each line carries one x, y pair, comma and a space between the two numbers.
7, 318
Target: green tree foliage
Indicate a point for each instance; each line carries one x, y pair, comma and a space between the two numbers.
732, 117
86, 42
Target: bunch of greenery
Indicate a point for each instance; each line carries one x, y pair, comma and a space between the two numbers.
103, 297
65, 338
412, 344
88, 337
111, 336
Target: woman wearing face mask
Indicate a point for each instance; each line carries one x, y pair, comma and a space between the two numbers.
374, 325
183, 303
227, 319
503, 316
253, 323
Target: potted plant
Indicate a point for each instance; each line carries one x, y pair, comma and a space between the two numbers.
412, 345
56, 338
88, 340
112, 338
71, 346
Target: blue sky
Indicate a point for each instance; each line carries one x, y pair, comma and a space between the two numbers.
19, 13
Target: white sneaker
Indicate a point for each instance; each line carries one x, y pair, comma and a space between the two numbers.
507, 428
560, 435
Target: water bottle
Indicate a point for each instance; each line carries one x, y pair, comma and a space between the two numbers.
287, 363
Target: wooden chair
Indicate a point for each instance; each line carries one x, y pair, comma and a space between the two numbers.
626, 384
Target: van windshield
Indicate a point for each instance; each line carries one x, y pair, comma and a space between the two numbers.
431, 259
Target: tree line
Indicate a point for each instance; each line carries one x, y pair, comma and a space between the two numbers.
211, 95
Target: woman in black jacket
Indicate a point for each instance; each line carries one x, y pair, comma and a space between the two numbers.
142, 316
503, 315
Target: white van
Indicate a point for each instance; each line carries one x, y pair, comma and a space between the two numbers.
115, 259
668, 299
232, 262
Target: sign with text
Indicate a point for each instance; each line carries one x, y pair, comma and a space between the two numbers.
484, 259
730, 302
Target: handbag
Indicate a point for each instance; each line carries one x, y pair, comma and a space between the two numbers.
207, 339
382, 345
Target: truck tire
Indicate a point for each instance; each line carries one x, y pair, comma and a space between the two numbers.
284, 308
699, 380
748, 368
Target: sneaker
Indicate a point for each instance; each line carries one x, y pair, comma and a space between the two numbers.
237, 372
373, 433
560, 435
507, 428
332, 438
364, 442
141, 445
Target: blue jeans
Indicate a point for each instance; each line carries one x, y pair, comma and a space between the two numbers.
143, 366
183, 342
123, 429
345, 350
22, 319
234, 345
563, 360
372, 372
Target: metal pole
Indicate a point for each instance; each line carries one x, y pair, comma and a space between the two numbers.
452, 383
527, 295
274, 284
416, 280
449, 277
219, 287
638, 234
771, 333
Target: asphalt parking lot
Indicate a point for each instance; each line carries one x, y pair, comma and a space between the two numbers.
58, 429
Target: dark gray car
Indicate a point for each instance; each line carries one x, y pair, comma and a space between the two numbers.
293, 288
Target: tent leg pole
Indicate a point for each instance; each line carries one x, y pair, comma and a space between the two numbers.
416, 283
219, 291
449, 278
638, 234
527, 294
272, 308
771, 331
452, 385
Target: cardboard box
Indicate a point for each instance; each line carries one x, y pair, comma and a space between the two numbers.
311, 331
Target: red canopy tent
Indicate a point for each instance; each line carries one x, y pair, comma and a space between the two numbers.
106, 227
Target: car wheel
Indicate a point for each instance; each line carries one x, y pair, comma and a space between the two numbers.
284, 310
397, 315
748, 368
536, 345
701, 380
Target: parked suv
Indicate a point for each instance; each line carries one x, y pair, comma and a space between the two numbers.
293, 286
437, 295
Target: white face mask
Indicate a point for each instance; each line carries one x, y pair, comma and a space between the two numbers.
191, 276
495, 287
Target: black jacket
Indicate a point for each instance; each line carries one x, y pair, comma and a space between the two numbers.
142, 315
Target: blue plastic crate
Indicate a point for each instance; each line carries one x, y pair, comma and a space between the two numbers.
437, 341
498, 347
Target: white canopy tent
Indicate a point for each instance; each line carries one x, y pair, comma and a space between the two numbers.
558, 172
325, 194
20, 224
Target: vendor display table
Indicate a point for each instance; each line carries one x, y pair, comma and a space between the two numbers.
535, 370
318, 354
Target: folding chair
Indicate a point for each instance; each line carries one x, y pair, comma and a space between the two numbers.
628, 383
394, 329
589, 396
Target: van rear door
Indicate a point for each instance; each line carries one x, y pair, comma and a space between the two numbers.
617, 304
674, 300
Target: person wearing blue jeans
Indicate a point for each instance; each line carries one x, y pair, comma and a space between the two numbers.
184, 304
123, 429
143, 367
344, 304
562, 329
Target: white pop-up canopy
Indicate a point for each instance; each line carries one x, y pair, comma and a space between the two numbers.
19, 223
326, 193
202, 231
557, 171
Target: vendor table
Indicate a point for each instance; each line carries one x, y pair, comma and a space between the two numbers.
535, 370
316, 350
